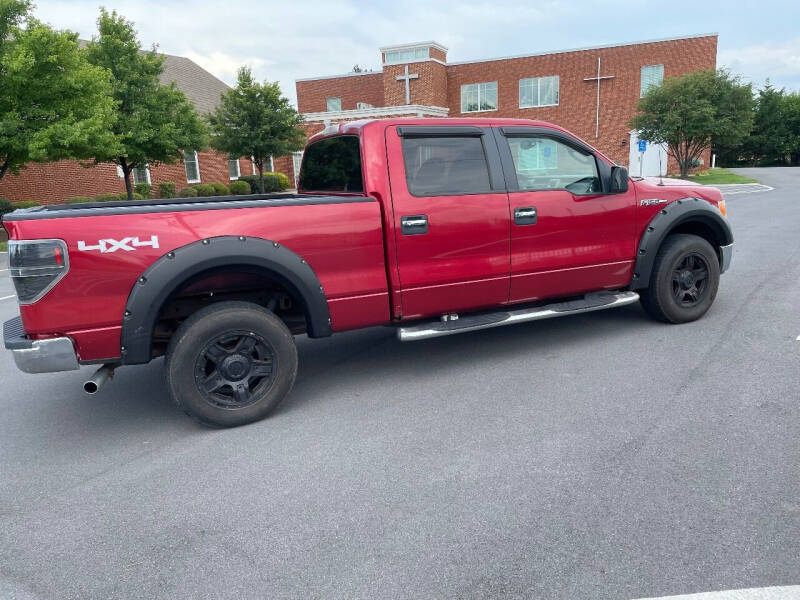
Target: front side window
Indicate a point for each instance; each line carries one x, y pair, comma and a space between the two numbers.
476, 97
141, 175
445, 166
332, 165
192, 166
543, 163
233, 169
333, 104
538, 91
652, 76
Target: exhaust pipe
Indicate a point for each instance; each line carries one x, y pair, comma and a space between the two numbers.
102, 375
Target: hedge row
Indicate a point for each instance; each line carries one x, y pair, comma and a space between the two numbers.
246, 184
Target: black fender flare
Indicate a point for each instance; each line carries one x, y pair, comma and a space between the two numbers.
685, 210
161, 279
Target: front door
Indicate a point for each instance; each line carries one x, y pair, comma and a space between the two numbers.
451, 219
567, 236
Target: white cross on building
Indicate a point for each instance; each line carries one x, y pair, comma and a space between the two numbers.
407, 78
598, 79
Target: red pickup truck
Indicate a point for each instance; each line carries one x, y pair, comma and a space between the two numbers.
434, 226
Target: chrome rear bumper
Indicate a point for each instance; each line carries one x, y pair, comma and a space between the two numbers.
38, 356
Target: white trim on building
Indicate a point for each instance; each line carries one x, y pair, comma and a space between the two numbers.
378, 112
413, 45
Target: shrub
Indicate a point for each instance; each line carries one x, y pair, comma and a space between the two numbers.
204, 189
187, 192
25, 204
166, 189
107, 197
144, 189
7, 207
273, 182
220, 189
240, 187
78, 200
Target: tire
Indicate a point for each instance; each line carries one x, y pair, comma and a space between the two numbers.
684, 281
230, 364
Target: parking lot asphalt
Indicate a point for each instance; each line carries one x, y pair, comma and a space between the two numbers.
596, 456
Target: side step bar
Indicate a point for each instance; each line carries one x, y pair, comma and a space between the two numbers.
590, 302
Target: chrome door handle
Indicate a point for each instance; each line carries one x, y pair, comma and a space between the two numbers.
414, 224
525, 215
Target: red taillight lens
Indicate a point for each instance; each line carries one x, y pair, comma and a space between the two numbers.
36, 266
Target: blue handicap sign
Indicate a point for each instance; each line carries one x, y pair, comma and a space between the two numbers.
547, 151
642, 145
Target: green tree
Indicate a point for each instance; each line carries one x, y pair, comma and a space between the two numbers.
690, 112
791, 111
254, 119
155, 122
53, 104
769, 141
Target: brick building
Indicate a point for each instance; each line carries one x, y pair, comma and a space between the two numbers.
51, 183
590, 91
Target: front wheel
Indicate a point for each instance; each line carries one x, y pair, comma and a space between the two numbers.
230, 364
685, 280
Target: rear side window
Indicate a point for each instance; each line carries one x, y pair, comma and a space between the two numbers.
445, 166
332, 165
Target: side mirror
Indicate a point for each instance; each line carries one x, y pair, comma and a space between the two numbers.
619, 180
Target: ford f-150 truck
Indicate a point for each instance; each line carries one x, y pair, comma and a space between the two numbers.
434, 226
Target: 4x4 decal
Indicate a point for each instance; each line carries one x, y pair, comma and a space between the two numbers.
110, 245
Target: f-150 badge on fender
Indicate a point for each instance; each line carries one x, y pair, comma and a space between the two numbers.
652, 202
128, 244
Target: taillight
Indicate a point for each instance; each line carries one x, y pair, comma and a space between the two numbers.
36, 266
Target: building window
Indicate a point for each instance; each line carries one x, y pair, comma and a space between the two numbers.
476, 97
141, 175
543, 163
652, 76
445, 166
538, 91
233, 169
398, 56
192, 166
333, 104
362, 105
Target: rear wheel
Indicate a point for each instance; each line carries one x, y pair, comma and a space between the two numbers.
230, 364
684, 281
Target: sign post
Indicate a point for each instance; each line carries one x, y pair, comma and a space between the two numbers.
642, 149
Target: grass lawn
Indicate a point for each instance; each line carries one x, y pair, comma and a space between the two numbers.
3, 246
715, 176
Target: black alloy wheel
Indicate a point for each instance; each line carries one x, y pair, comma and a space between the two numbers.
234, 369
690, 280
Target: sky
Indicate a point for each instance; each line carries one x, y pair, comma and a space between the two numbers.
284, 41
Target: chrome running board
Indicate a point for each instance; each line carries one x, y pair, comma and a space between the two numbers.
457, 324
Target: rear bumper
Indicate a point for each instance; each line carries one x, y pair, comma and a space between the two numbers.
725, 257
38, 356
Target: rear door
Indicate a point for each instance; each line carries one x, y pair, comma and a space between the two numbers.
568, 236
451, 218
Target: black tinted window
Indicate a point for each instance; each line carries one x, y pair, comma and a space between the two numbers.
439, 166
332, 165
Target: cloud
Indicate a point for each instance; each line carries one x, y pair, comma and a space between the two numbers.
225, 66
283, 41
778, 61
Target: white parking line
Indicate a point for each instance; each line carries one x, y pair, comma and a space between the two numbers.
3, 270
788, 592
7, 297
